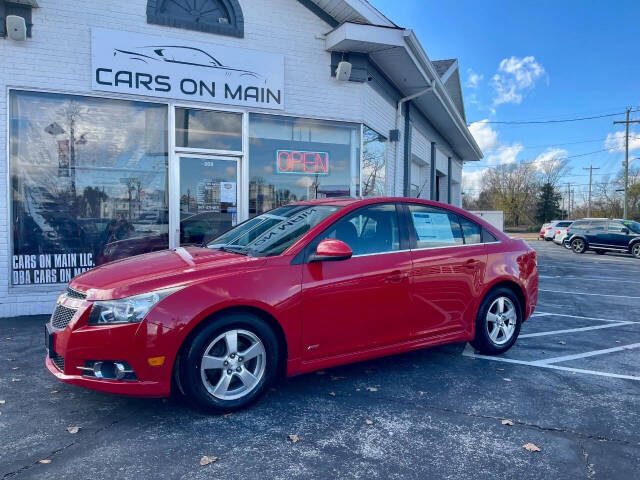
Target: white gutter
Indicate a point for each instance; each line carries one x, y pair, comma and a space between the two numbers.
401, 102
439, 89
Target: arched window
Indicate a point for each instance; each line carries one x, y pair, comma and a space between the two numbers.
223, 17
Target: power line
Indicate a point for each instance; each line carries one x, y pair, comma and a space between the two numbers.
533, 160
540, 122
568, 143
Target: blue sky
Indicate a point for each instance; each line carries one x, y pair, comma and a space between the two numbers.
538, 60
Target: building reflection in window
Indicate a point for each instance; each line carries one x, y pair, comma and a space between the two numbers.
88, 183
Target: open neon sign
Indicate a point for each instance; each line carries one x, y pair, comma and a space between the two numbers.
302, 163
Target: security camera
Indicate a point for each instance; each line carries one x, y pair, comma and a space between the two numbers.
343, 72
16, 28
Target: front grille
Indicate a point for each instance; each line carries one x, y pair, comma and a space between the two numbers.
58, 361
61, 317
71, 293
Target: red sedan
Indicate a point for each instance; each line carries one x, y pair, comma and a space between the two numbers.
303, 287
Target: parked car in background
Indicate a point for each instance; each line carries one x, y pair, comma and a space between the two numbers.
303, 287
560, 231
554, 227
543, 230
602, 235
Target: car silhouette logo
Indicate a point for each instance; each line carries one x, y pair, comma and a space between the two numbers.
180, 55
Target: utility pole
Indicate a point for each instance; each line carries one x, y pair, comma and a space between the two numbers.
568, 201
591, 169
626, 160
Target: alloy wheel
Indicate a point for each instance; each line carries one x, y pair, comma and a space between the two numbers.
233, 364
636, 250
501, 320
578, 245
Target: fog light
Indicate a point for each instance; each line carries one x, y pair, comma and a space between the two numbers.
107, 370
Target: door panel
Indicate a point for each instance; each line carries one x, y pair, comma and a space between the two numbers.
615, 237
596, 232
364, 301
208, 197
355, 304
449, 263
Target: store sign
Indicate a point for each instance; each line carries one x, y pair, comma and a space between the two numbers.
302, 163
125, 62
49, 267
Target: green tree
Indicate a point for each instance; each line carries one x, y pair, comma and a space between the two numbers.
548, 205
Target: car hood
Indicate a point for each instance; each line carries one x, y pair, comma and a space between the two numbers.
159, 270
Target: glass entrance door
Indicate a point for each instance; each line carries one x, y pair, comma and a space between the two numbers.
208, 197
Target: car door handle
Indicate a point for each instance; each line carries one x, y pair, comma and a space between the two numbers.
397, 277
471, 264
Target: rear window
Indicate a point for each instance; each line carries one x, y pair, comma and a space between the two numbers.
563, 224
597, 224
580, 224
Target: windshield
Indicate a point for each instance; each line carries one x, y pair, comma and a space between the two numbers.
633, 226
273, 232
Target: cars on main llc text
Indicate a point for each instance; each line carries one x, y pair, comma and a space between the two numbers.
303, 287
603, 235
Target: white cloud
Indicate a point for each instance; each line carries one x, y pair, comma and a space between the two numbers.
504, 154
553, 156
485, 136
472, 181
514, 77
474, 79
615, 141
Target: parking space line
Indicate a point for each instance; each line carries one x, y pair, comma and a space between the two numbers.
571, 330
570, 277
581, 317
469, 352
592, 353
590, 294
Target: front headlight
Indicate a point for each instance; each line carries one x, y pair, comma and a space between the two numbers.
126, 310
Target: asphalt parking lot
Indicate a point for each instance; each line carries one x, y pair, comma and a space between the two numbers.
570, 386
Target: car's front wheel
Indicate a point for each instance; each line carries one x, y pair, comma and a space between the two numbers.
578, 245
498, 322
635, 250
229, 363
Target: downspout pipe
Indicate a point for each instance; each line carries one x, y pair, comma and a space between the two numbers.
401, 102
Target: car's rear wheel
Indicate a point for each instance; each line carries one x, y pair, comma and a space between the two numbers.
578, 245
635, 250
600, 252
498, 322
230, 363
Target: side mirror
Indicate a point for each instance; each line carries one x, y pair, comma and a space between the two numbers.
625, 230
331, 249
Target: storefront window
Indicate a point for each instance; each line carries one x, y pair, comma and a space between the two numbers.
293, 159
207, 129
374, 173
88, 183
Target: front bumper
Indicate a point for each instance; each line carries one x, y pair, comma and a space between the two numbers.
134, 343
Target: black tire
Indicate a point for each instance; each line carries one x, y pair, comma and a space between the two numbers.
635, 250
578, 245
483, 341
548, 239
600, 252
191, 377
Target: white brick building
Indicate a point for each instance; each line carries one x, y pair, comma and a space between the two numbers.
112, 112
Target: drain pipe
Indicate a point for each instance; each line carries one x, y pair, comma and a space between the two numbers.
401, 102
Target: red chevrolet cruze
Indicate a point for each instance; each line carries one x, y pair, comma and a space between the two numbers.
303, 287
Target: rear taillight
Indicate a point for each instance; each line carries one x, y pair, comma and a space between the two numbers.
548, 228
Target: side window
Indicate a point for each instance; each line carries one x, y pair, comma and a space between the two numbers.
615, 226
488, 237
435, 227
597, 225
472, 231
372, 229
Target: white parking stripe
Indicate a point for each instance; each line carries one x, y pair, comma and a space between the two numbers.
569, 277
590, 294
592, 353
570, 330
545, 314
469, 352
